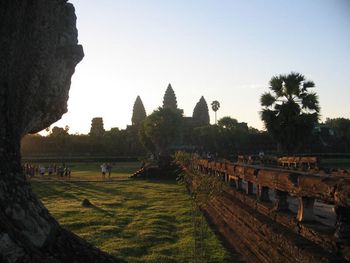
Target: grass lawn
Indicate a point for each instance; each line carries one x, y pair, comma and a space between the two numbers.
136, 220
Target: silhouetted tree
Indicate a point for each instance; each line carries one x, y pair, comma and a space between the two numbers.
233, 125
58, 131
291, 111
215, 105
228, 123
169, 100
138, 112
341, 128
201, 113
161, 130
206, 138
114, 142
233, 135
97, 128
146, 141
230, 138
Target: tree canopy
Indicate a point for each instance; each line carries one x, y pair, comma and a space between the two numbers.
59, 131
138, 112
290, 110
201, 113
169, 100
341, 128
228, 123
215, 106
160, 130
230, 137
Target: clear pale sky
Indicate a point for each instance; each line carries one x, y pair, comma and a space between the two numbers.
225, 50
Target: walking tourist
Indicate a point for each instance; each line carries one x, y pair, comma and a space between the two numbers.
42, 170
109, 170
103, 171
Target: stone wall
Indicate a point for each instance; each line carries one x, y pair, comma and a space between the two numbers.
252, 213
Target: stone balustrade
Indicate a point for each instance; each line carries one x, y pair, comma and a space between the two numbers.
271, 192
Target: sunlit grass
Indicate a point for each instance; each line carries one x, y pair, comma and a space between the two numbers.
139, 221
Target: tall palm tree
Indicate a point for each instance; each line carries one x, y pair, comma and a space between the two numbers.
290, 110
215, 105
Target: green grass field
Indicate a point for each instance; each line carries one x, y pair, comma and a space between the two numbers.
136, 220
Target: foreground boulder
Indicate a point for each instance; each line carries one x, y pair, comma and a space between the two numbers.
38, 54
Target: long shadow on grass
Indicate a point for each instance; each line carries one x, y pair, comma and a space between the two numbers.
51, 190
162, 181
89, 190
72, 190
108, 189
100, 210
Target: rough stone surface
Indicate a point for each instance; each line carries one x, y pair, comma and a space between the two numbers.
38, 54
257, 237
265, 234
9, 250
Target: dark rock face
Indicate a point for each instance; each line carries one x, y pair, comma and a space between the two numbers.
38, 54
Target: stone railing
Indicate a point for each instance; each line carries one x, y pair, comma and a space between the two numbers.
301, 162
274, 193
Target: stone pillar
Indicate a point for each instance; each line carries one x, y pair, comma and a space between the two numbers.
232, 182
263, 193
281, 203
249, 189
306, 209
239, 184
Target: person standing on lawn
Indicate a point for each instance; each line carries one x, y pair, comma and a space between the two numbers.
103, 171
109, 170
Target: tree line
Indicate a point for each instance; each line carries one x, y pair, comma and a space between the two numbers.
290, 112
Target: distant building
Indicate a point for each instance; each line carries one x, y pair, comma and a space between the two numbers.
138, 112
97, 128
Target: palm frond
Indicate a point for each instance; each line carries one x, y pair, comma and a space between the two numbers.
267, 99
215, 105
292, 84
307, 85
297, 76
302, 95
310, 102
276, 85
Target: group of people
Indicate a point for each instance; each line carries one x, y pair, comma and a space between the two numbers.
31, 170
106, 169
209, 156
